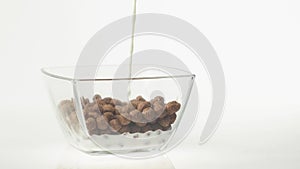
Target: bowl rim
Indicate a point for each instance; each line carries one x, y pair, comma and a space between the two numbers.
46, 72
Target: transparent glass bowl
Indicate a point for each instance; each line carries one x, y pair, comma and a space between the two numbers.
133, 124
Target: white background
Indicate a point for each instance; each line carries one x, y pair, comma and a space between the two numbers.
257, 42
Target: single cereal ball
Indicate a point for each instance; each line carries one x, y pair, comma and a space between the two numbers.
102, 124
173, 118
136, 116
107, 100
115, 124
63, 102
116, 102
141, 124
108, 108
66, 106
108, 116
164, 122
73, 118
100, 103
134, 103
97, 98
124, 121
140, 98
142, 105
172, 107
91, 124
93, 114
149, 114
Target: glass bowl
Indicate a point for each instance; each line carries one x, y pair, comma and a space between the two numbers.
101, 110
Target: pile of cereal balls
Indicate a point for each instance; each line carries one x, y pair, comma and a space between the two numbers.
112, 116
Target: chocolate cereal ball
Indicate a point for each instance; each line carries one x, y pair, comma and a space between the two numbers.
134, 103
173, 118
140, 98
172, 107
108, 116
102, 124
115, 124
91, 124
97, 98
164, 122
107, 100
108, 108
142, 105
